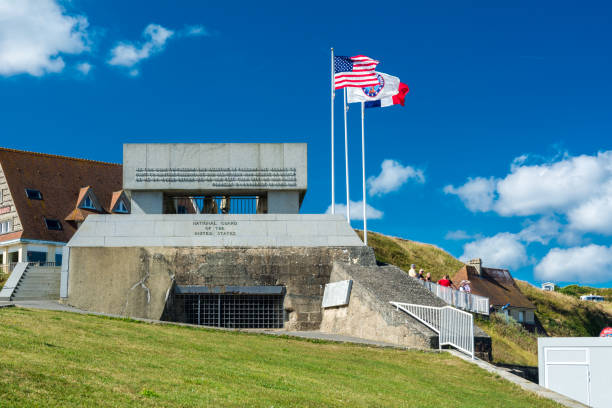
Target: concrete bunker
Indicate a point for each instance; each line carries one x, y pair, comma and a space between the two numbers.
188, 253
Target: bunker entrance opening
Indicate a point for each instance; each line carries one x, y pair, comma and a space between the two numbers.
215, 204
234, 310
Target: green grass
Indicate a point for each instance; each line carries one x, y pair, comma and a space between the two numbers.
577, 291
511, 343
402, 252
71, 360
563, 315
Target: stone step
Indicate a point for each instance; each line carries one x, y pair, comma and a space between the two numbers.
39, 290
39, 280
35, 288
48, 297
38, 285
40, 274
35, 292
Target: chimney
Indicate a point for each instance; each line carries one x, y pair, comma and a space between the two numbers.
476, 263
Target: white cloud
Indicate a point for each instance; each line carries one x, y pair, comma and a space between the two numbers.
503, 250
593, 215
579, 188
477, 194
195, 31
392, 176
84, 68
127, 54
458, 235
357, 211
541, 231
553, 187
34, 34
587, 264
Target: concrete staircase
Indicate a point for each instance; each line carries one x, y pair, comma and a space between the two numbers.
37, 283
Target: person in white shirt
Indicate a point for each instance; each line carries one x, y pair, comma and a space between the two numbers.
412, 272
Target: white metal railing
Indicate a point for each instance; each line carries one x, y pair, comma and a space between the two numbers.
454, 327
8, 268
457, 298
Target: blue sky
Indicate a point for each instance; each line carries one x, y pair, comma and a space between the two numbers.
500, 152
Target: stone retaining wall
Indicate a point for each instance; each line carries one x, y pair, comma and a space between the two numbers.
138, 281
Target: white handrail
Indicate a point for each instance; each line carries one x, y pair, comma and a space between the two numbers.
459, 299
453, 326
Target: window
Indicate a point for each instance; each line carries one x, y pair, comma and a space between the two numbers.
33, 194
53, 225
58, 258
88, 203
5, 227
521, 316
121, 208
36, 256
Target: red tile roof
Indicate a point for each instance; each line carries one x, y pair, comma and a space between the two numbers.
60, 180
496, 284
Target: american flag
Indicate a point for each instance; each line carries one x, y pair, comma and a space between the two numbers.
356, 72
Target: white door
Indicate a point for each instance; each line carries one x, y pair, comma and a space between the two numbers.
567, 372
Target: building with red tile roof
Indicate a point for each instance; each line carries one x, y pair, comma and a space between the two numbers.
501, 289
44, 198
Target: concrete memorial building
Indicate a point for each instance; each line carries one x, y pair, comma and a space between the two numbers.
215, 238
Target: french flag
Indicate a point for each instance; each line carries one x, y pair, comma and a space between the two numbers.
397, 99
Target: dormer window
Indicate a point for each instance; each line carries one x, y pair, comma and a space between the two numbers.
121, 208
88, 203
120, 203
5, 227
53, 225
33, 194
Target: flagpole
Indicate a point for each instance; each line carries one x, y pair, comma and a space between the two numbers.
348, 201
365, 219
333, 85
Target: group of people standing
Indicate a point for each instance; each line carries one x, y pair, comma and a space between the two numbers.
420, 274
464, 285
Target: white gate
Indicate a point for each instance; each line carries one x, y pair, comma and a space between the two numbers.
454, 327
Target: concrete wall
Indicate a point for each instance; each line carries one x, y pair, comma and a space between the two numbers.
147, 202
236, 230
369, 314
215, 167
137, 281
283, 202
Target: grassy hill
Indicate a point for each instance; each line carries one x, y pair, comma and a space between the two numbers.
564, 315
560, 314
73, 360
511, 343
402, 252
577, 291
